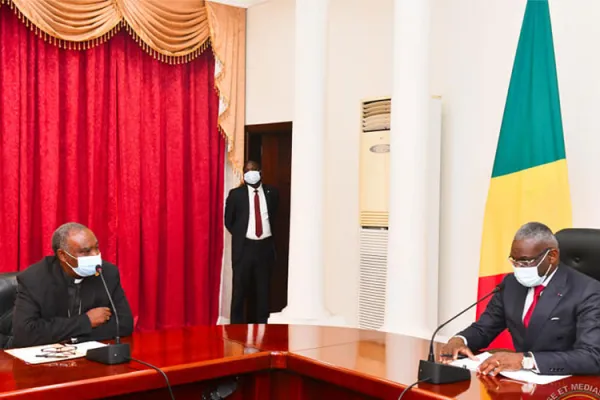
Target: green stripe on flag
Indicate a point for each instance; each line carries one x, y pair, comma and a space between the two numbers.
531, 132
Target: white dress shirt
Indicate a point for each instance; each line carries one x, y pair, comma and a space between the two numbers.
264, 213
530, 293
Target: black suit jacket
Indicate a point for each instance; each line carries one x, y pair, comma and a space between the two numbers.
237, 214
564, 330
41, 307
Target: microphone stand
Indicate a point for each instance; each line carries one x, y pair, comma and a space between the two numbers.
437, 373
111, 354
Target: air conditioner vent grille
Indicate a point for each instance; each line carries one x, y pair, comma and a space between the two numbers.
376, 115
374, 219
373, 272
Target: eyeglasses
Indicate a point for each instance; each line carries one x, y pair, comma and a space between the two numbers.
529, 262
58, 351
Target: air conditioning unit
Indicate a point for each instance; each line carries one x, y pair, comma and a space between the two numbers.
375, 162
374, 206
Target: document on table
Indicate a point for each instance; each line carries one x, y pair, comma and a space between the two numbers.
53, 352
521, 375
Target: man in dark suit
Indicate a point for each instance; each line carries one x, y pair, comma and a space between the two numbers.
249, 216
551, 311
62, 298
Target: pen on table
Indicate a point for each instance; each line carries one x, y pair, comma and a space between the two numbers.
459, 357
50, 356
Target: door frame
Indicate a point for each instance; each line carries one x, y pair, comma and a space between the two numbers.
276, 127
278, 299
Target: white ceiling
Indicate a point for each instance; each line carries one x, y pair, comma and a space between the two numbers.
240, 3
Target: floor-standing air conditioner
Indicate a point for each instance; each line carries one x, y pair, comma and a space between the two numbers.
375, 155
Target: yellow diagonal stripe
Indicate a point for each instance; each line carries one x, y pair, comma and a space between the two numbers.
538, 194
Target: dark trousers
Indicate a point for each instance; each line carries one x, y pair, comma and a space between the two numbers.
251, 282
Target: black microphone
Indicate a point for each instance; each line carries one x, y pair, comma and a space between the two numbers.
431, 354
117, 353
441, 373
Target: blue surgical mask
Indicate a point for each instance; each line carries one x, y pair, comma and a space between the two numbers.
86, 266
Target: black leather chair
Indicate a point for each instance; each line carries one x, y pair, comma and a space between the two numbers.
8, 294
580, 249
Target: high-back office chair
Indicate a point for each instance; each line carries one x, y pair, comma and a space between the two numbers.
8, 294
580, 249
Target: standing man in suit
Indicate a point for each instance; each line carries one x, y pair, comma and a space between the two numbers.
62, 297
551, 311
249, 216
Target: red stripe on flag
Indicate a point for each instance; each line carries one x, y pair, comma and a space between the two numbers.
502, 341
486, 285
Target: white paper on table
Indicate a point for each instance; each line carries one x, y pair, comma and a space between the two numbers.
469, 364
521, 375
30, 354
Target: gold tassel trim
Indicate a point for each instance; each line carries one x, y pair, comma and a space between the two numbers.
226, 102
238, 169
218, 78
61, 43
168, 59
91, 43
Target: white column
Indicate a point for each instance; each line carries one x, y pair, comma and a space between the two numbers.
306, 275
231, 181
407, 279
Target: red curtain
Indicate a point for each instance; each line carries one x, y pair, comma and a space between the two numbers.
125, 144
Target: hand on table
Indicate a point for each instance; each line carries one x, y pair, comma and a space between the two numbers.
501, 361
452, 349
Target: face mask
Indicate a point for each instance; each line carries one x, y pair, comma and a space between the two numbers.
86, 266
528, 276
252, 177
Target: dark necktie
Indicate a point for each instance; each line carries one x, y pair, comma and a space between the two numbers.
257, 214
537, 292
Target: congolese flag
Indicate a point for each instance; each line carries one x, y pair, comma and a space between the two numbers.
529, 178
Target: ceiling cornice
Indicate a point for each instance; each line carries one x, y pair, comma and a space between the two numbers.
240, 3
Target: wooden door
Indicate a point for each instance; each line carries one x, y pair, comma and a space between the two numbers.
271, 145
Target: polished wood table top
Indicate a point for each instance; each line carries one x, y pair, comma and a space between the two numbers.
374, 363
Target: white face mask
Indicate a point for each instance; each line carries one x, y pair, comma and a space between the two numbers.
252, 177
529, 276
86, 266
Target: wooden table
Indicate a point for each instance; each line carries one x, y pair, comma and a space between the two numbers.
269, 362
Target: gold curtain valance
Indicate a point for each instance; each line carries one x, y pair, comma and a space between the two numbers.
172, 31
228, 36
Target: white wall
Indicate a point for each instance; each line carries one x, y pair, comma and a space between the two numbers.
474, 43
473, 47
270, 62
360, 41
231, 181
358, 66
576, 33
